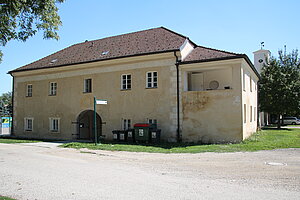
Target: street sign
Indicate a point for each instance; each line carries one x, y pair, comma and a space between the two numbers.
101, 101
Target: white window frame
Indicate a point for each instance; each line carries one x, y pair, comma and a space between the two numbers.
152, 121
55, 128
29, 90
126, 82
26, 124
250, 83
152, 80
244, 81
251, 114
245, 113
126, 124
87, 85
52, 88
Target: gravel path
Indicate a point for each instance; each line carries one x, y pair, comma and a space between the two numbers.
43, 171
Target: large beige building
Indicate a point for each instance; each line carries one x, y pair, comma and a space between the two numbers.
193, 93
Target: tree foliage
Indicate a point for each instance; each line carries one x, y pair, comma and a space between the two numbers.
5, 104
21, 19
279, 91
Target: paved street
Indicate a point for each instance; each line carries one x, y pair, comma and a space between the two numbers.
43, 171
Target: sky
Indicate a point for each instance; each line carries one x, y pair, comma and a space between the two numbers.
233, 25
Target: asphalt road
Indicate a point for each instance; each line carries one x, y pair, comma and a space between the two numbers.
43, 171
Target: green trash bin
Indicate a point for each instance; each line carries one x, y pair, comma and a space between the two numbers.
130, 135
142, 132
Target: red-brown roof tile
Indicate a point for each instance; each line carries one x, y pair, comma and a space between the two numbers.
138, 43
204, 53
149, 41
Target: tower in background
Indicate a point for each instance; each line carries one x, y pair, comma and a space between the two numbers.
261, 58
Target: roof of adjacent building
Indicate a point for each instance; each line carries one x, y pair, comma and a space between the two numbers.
151, 41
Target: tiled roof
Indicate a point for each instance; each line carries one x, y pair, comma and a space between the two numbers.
138, 43
204, 53
149, 41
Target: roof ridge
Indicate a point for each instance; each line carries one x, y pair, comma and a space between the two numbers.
195, 45
219, 50
118, 35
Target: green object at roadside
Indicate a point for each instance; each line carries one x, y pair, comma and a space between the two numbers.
6, 198
262, 140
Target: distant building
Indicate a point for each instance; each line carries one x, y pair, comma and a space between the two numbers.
193, 93
261, 58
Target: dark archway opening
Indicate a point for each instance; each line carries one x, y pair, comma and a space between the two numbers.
85, 128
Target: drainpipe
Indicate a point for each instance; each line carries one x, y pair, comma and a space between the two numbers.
178, 98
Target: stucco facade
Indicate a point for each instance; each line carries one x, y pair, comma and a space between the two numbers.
210, 108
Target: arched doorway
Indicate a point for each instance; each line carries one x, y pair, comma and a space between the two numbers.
85, 129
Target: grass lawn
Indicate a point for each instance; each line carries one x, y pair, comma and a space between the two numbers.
11, 141
5, 198
263, 140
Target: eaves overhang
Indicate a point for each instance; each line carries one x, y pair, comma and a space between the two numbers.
244, 56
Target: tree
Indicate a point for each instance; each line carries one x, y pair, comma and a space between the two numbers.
5, 104
21, 19
279, 91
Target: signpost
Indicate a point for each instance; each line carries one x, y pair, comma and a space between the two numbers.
97, 101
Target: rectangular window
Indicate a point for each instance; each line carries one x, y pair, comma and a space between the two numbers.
250, 83
254, 114
88, 85
126, 124
126, 81
54, 124
28, 124
251, 114
245, 113
152, 121
151, 78
244, 81
53, 89
29, 90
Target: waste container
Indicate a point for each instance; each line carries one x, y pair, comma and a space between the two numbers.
141, 132
116, 135
130, 135
155, 135
123, 136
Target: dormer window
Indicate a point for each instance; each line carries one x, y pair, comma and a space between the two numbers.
104, 53
53, 61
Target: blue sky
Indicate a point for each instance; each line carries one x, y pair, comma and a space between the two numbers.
232, 25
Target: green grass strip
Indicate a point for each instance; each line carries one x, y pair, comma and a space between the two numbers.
263, 140
11, 141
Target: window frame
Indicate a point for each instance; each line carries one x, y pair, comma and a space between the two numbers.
153, 122
150, 80
126, 124
52, 88
29, 94
250, 83
245, 113
26, 124
251, 113
52, 127
126, 81
87, 85
244, 81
